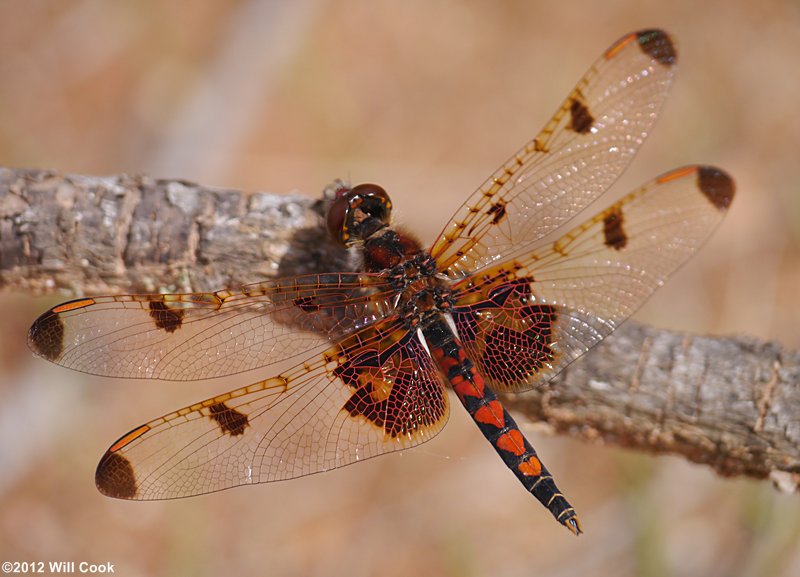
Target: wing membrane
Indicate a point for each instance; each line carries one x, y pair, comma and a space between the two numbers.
204, 335
374, 393
526, 319
584, 148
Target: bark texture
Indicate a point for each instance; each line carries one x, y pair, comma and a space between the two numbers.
729, 402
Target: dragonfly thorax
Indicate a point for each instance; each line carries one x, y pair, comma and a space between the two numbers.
422, 293
359, 218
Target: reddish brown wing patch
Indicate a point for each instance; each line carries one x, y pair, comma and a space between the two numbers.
510, 337
613, 229
717, 186
115, 477
46, 336
169, 319
230, 421
395, 390
498, 211
581, 119
659, 45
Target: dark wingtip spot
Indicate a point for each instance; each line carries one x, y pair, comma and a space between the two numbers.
46, 336
166, 318
582, 119
613, 230
229, 420
717, 186
658, 44
115, 477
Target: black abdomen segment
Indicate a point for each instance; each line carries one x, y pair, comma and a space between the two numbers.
496, 423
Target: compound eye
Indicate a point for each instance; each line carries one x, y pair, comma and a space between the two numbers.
337, 213
358, 212
374, 201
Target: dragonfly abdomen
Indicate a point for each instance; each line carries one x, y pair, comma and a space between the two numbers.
496, 424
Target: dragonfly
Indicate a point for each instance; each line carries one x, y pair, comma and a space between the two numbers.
500, 302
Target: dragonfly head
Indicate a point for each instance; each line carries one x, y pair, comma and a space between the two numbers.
357, 213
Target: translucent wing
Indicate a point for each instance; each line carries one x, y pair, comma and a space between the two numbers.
204, 335
576, 157
524, 320
375, 392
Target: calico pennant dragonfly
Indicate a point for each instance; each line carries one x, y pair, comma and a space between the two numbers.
494, 304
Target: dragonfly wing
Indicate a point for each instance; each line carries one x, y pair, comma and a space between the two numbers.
579, 154
375, 392
524, 320
205, 335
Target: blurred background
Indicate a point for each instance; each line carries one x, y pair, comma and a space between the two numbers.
426, 98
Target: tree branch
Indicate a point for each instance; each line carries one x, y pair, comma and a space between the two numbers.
731, 403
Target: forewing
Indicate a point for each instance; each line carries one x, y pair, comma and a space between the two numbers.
204, 335
578, 155
524, 320
375, 392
